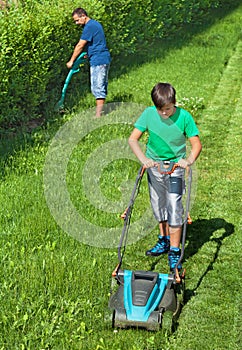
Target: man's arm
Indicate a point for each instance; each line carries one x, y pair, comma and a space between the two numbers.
77, 50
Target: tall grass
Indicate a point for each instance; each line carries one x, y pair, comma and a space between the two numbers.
55, 289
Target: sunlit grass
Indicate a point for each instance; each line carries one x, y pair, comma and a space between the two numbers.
55, 289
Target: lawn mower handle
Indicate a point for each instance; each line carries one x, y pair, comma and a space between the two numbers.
127, 215
186, 221
166, 167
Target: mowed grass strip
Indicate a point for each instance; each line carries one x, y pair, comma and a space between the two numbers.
214, 305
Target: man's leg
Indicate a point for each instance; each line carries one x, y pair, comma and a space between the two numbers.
99, 84
99, 106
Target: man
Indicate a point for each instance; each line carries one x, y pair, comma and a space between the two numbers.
94, 41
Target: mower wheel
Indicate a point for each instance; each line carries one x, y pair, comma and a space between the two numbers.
113, 319
180, 298
167, 323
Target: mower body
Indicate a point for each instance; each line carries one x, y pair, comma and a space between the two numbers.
142, 298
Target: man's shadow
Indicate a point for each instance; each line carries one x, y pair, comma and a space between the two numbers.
200, 232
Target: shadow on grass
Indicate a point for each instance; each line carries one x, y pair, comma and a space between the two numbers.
124, 62
200, 232
177, 39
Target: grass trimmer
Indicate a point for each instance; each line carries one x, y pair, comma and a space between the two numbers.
147, 299
75, 69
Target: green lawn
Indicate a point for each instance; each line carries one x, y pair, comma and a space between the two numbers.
55, 288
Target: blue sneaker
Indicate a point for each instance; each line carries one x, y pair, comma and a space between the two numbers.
173, 257
161, 247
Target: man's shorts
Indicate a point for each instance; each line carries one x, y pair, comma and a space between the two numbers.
99, 80
166, 195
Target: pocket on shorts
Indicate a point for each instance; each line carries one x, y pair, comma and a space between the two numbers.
176, 185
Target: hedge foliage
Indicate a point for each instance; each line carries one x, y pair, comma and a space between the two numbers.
37, 38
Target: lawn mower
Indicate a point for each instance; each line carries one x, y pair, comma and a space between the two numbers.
148, 299
75, 69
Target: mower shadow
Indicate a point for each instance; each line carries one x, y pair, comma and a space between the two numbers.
200, 232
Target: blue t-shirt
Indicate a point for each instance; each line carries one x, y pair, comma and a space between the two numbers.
167, 137
96, 47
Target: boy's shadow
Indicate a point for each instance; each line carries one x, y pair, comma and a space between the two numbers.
200, 232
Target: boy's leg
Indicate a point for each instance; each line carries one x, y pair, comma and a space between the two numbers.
175, 251
175, 216
175, 236
158, 193
162, 246
164, 228
158, 185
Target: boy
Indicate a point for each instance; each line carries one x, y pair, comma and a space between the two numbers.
93, 39
167, 126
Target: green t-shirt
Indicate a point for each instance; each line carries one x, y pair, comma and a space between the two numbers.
167, 137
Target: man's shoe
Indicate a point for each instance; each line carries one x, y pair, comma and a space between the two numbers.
161, 247
173, 257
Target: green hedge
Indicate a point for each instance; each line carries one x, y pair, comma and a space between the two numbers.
37, 38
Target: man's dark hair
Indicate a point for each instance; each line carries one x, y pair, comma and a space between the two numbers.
162, 94
79, 11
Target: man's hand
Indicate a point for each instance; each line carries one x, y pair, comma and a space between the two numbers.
69, 64
77, 51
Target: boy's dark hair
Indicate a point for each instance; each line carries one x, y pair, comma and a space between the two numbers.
79, 11
162, 94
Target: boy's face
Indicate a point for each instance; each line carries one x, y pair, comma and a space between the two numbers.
167, 110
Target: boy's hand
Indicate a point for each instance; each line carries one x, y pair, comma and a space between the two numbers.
183, 163
149, 163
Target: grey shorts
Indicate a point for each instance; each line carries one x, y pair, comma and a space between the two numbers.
99, 80
166, 195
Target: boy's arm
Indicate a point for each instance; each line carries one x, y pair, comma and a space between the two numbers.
134, 145
195, 151
77, 50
